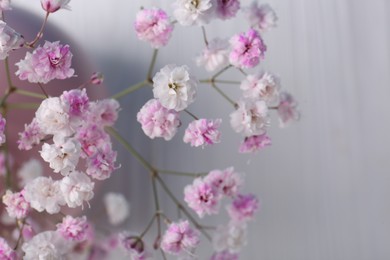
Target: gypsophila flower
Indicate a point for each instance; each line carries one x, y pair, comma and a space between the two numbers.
193, 12
76, 101
202, 132
247, 49
104, 112
227, 9
52, 61
133, 246
227, 182
174, 87
250, 118
9, 39
180, 239
262, 17
214, 56
224, 255
2, 129
6, 252
287, 109
243, 208
29, 171
52, 6
3, 163
264, 86
16, 204
153, 26
92, 137
46, 245
5, 5
74, 229
76, 188
101, 164
158, 121
254, 143
202, 197
231, 237
32, 135
117, 207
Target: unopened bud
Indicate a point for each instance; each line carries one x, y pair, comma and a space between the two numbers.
52, 6
97, 78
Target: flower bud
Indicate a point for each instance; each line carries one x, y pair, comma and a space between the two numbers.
52, 6
97, 78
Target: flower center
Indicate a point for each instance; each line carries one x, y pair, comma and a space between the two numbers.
174, 86
195, 3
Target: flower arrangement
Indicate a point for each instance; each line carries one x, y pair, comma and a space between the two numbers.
75, 136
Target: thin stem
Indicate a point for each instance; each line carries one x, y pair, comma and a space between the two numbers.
184, 174
29, 93
130, 89
209, 81
43, 90
243, 72
40, 33
157, 206
205, 36
221, 71
192, 115
148, 226
20, 236
23, 105
151, 67
8, 73
223, 94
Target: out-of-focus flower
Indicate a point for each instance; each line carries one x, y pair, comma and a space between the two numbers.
227, 9
16, 204
117, 207
9, 39
29, 171
46, 245
231, 237
6, 252
214, 56
262, 17
5, 5
2, 129
203, 132
76, 188
193, 12
287, 109
243, 208
32, 135
74, 229
254, 143
224, 255
133, 246
227, 182
52, 6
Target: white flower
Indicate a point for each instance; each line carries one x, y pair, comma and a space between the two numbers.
76, 188
174, 87
44, 194
231, 237
9, 39
117, 207
5, 5
261, 16
264, 86
191, 12
251, 117
29, 171
215, 55
63, 157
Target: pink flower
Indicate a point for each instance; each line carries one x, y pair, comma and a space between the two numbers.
77, 102
9, 38
224, 255
133, 246
248, 49
2, 129
153, 26
52, 61
16, 204
180, 239
52, 6
5, 5
6, 252
32, 135
102, 163
202, 197
243, 208
262, 16
97, 78
91, 137
227, 9
158, 121
254, 143
74, 229
214, 56
227, 182
203, 132
287, 109
104, 112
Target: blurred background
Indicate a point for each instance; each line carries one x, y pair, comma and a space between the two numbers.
324, 183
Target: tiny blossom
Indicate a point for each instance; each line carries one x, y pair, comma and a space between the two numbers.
243, 208
117, 207
254, 143
158, 121
153, 26
76, 188
101, 164
16, 204
202, 132
133, 246
46, 245
44, 194
264, 86
91, 136
227, 9
5, 5
202, 197
6, 252
287, 109
214, 56
97, 78
52, 6
29, 171
104, 112
230, 238
76, 101
2, 129
52, 61
32, 135
262, 16
251, 117
174, 87
193, 12
247, 49
9, 39
28, 232
74, 229
180, 239
227, 182
224, 255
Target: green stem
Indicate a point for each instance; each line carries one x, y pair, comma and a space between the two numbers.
40, 33
205, 36
223, 94
8, 73
148, 227
43, 90
221, 71
130, 89
151, 67
29, 93
157, 205
23, 105
192, 115
184, 174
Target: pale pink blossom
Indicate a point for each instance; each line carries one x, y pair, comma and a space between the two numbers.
287, 109
9, 38
243, 208
202, 197
202, 132
231, 237
91, 136
224, 255
52, 61
32, 135
174, 87
101, 164
262, 17
215, 55
28, 232
16, 204
247, 49
117, 207
158, 121
52, 6
104, 112
5, 5
29, 171
227, 182
153, 26
227, 9
180, 239
6, 252
133, 246
250, 118
76, 101
74, 229
2, 129
76, 188
193, 12
46, 245
254, 143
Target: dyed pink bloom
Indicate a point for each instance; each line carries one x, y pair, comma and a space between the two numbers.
180, 239
254, 143
32, 135
214, 56
6, 252
227, 9
5, 5
262, 16
97, 78
133, 246
243, 208
203, 132
224, 255
2, 129
77, 102
247, 49
158, 121
9, 39
202, 197
104, 112
91, 137
74, 229
102, 163
227, 182
16, 204
153, 26
287, 109
52, 61
52, 6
